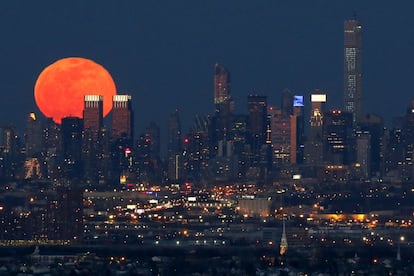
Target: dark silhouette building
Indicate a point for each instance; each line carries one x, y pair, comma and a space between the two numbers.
258, 126
11, 158
338, 137
298, 112
374, 124
241, 147
65, 215
148, 155
257, 108
287, 103
174, 146
152, 132
53, 149
71, 135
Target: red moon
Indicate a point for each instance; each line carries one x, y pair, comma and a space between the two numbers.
60, 88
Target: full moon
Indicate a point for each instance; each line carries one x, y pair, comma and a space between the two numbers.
60, 88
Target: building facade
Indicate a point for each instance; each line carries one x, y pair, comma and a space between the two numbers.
313, 153
221, 84
122, 118
352, 69
91, 141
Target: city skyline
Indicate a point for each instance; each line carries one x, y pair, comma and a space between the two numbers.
207, 137
277, 49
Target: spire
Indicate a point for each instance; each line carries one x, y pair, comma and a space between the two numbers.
283, 241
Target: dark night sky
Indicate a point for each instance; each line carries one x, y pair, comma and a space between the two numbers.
163, 52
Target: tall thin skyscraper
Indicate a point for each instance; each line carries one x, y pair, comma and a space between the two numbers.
11, 158
53, 151
122, 136
363, 153
257, 108
71, 132
122, 117
10, 140
257, 125
221, 84
352, 69
298, 112
174, 145
92, 146
224, 105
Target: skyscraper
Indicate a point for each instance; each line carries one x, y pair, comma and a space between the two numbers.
352, 69
374, 125
10, 161
283, 137
257, 108
33, 136
34, 148
93, 114
174, 145
122, 117
53, 151
71, 132
363, 153
92, 149
221, 84
224, 105
314, 144
257, 127
122, 136
337, 137
298, 112
152, 132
